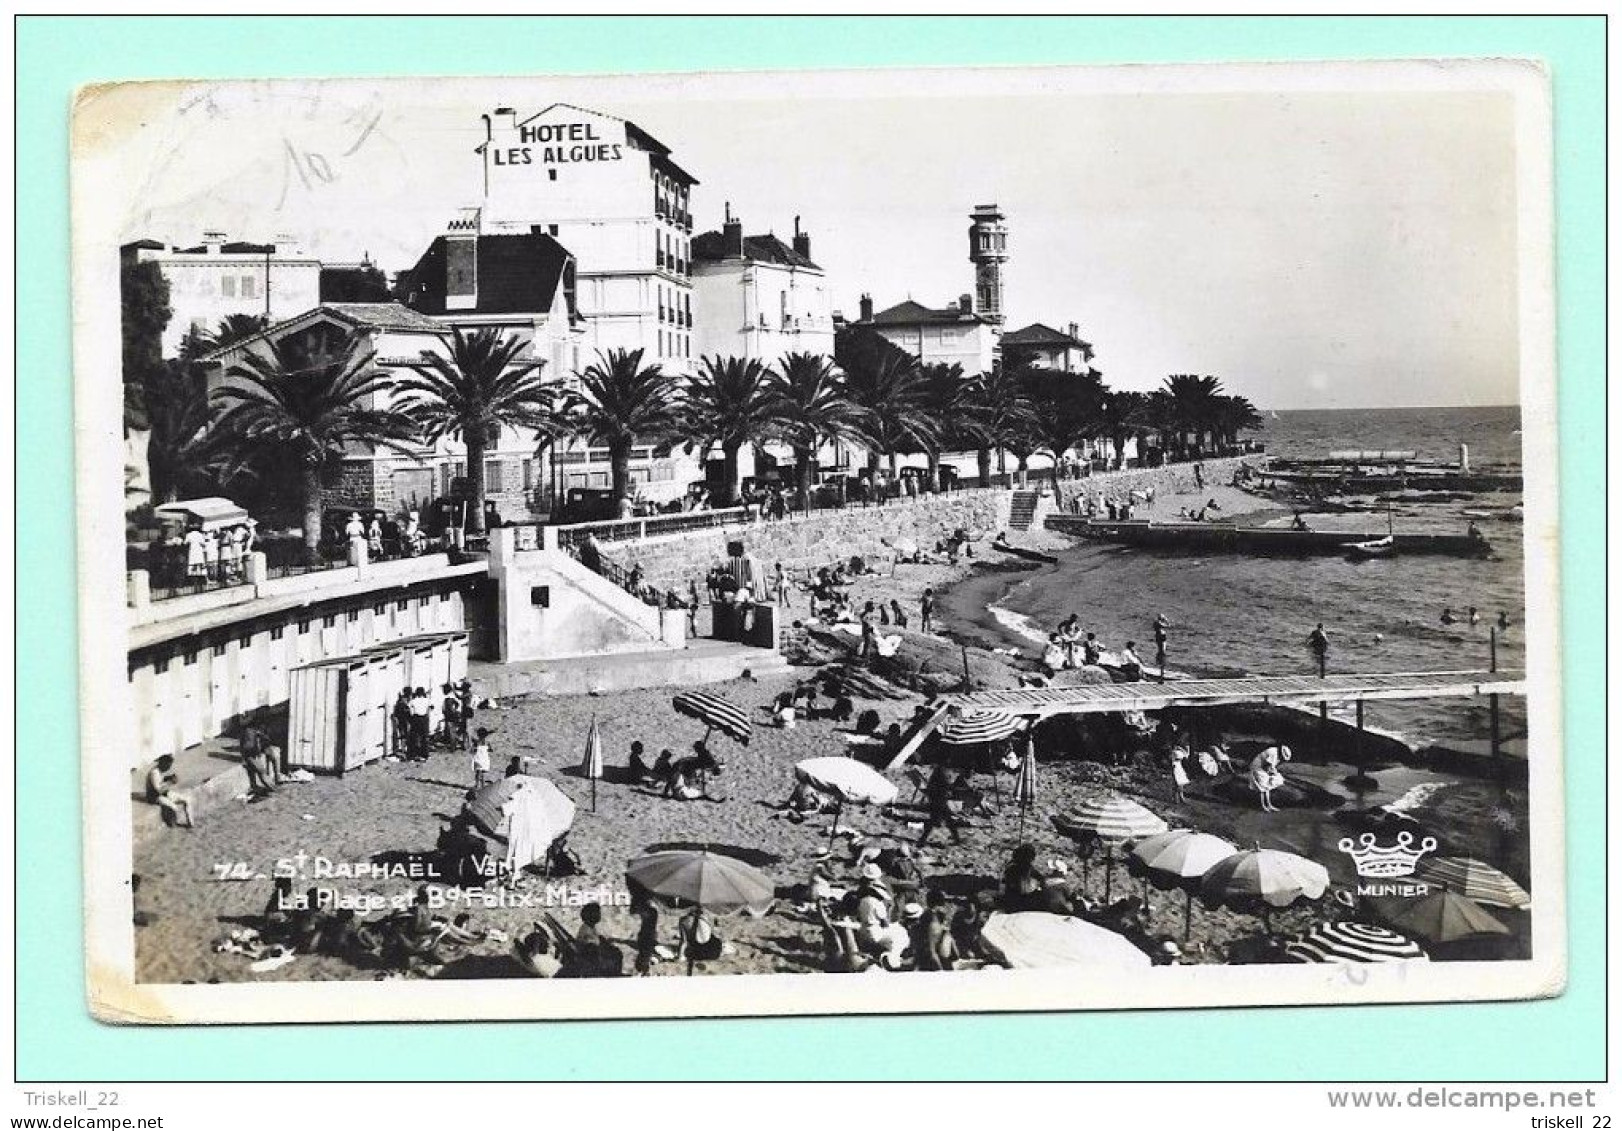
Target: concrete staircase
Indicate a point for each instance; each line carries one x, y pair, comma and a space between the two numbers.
1022, 510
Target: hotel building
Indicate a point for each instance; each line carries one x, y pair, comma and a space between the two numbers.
612, 194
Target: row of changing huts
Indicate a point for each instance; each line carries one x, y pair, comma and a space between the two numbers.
340, 710
193, 688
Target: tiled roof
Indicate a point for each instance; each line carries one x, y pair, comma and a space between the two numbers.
516, 274
912, 313
768, 248
1037, 334
381, 315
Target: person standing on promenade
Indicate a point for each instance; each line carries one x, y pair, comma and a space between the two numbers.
926, 611
1318, 641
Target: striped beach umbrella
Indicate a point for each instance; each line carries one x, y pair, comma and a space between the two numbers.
1179, 858
715, 713
1353, 942
1025, 784
591, 766
975, 727
1264, 878
1112, 819
1475, 880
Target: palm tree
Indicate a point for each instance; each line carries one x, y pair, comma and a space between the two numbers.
1232, 415
620, 401
949, 399
1195, 398
729, 402
184, 454
309, 397
1001, 412
811, 406
894, 398
1160, 416
472, 394
1121, 415
1066, 411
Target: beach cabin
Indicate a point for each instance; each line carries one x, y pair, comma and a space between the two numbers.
338, 711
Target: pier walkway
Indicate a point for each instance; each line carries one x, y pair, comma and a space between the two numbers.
1044, 702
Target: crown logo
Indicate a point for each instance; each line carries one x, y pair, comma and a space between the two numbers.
1373, 859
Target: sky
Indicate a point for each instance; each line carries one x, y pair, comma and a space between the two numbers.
1312, 248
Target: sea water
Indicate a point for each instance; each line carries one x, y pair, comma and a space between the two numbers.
1234, 614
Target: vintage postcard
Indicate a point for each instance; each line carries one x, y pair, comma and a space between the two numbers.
1033, 539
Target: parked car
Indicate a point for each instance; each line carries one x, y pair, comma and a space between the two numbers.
588, 504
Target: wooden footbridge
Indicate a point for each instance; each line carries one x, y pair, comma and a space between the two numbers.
1295, 690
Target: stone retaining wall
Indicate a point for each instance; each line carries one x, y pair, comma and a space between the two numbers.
670, 562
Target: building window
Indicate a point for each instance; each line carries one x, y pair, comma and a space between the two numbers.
329, 620
377, 609
249, 288
228, 286
276, 633
354, 615
303, 627
160, 666
190, 658
402, 605
217, 650
529, 474
492, 476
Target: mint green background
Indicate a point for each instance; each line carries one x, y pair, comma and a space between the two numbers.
1558, 1039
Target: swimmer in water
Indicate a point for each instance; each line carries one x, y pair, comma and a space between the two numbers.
1475, 617
1503, 622
1447, 615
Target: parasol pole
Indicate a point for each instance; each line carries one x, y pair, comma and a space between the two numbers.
1188, 912
594, 776
833, 829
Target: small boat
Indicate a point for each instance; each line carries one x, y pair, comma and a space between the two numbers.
1377, 548
1028, 555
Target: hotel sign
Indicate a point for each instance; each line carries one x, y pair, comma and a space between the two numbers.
558, 143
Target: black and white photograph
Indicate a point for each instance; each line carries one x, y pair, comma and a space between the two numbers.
1030, 538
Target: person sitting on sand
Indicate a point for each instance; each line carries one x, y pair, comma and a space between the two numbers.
536, 954
163, 790
933, 947
636, 768
1053, 656
1131, 666
802, 802
1091, 651
688, 778
699, 940
876, 932
1024, 885
841, 953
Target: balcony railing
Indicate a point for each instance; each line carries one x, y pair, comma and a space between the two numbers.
652, 526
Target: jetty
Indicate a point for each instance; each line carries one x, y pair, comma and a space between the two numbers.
1036, 703
1226, 538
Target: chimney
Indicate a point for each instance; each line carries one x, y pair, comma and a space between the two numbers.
731, 235
867, 308
212, 242
802, 241
462, 261
965, 303
1074, 330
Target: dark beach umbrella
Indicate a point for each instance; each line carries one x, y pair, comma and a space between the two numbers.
1440, 918
1353, 942
715, 713
714, 881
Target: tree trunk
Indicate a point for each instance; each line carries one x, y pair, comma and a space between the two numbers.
729, 469
619, 471
312, 514
982, 459
934, 459
1023, 461
475, 479
802, 478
